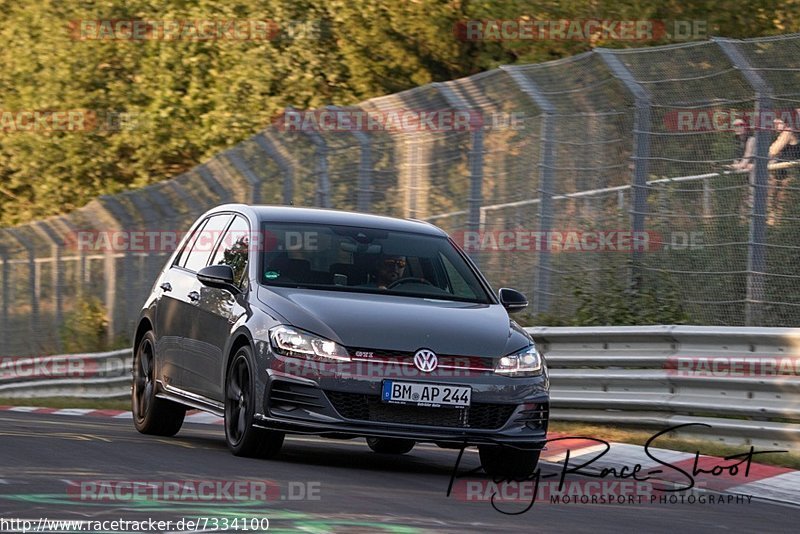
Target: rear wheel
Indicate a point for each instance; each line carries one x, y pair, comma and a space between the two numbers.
508, 463
151, 415
391, 445
242, 437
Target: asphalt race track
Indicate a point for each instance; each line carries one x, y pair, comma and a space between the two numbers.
50, 465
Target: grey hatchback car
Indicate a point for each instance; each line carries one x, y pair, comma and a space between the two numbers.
294, 320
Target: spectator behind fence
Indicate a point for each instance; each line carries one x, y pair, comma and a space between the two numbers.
786, 147
745, 146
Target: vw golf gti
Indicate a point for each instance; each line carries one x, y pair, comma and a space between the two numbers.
293, 320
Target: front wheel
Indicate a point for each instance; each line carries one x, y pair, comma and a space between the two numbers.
508, 463
151, 415
242, 437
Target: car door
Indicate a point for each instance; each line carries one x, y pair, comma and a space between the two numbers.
216, 311
173, 287
179, 299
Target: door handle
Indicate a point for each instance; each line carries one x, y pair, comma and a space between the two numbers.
194, 296
166, 286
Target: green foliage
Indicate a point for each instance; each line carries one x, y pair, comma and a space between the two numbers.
84, 328
182, 101
609, 300
656, 301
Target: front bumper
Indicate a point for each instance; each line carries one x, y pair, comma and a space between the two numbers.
298, 398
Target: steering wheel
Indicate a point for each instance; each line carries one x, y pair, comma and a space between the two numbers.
408, 280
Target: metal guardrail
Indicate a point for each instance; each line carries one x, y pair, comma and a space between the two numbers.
743, 382
104, 375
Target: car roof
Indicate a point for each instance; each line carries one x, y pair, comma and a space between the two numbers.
291, 214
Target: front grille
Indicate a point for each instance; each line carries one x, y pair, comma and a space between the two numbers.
370, 408
350, 405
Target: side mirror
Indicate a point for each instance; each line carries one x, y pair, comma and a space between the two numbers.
218, 276
512, 300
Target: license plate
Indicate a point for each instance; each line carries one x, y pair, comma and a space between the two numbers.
432, 395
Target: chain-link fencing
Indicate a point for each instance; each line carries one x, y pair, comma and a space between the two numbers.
568, 180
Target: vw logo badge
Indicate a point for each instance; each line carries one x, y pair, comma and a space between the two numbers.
426, 360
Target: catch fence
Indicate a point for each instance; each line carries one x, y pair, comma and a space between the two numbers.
569, 180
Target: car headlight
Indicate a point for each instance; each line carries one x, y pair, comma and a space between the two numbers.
289, 341
526, 362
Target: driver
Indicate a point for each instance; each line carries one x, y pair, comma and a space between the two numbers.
389, 269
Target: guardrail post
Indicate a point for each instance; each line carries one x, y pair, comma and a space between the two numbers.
641, 157
274, 150
541, 302
475, 199
759, 177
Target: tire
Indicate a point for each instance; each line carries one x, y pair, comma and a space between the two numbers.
508, 463
151, 415
242, 437
391, 445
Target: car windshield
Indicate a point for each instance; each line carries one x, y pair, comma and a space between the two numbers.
346, 258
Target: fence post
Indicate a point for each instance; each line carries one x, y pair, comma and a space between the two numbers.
58, 274
364, 188
235, 158
322, 197
278, 154
641, 158
541, 304
213, 184
364, 191
117, 304
475, 199
759, 177
6, 288
33, 289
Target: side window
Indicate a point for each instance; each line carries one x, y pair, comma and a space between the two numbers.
233, 250
203, 243
180, 260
